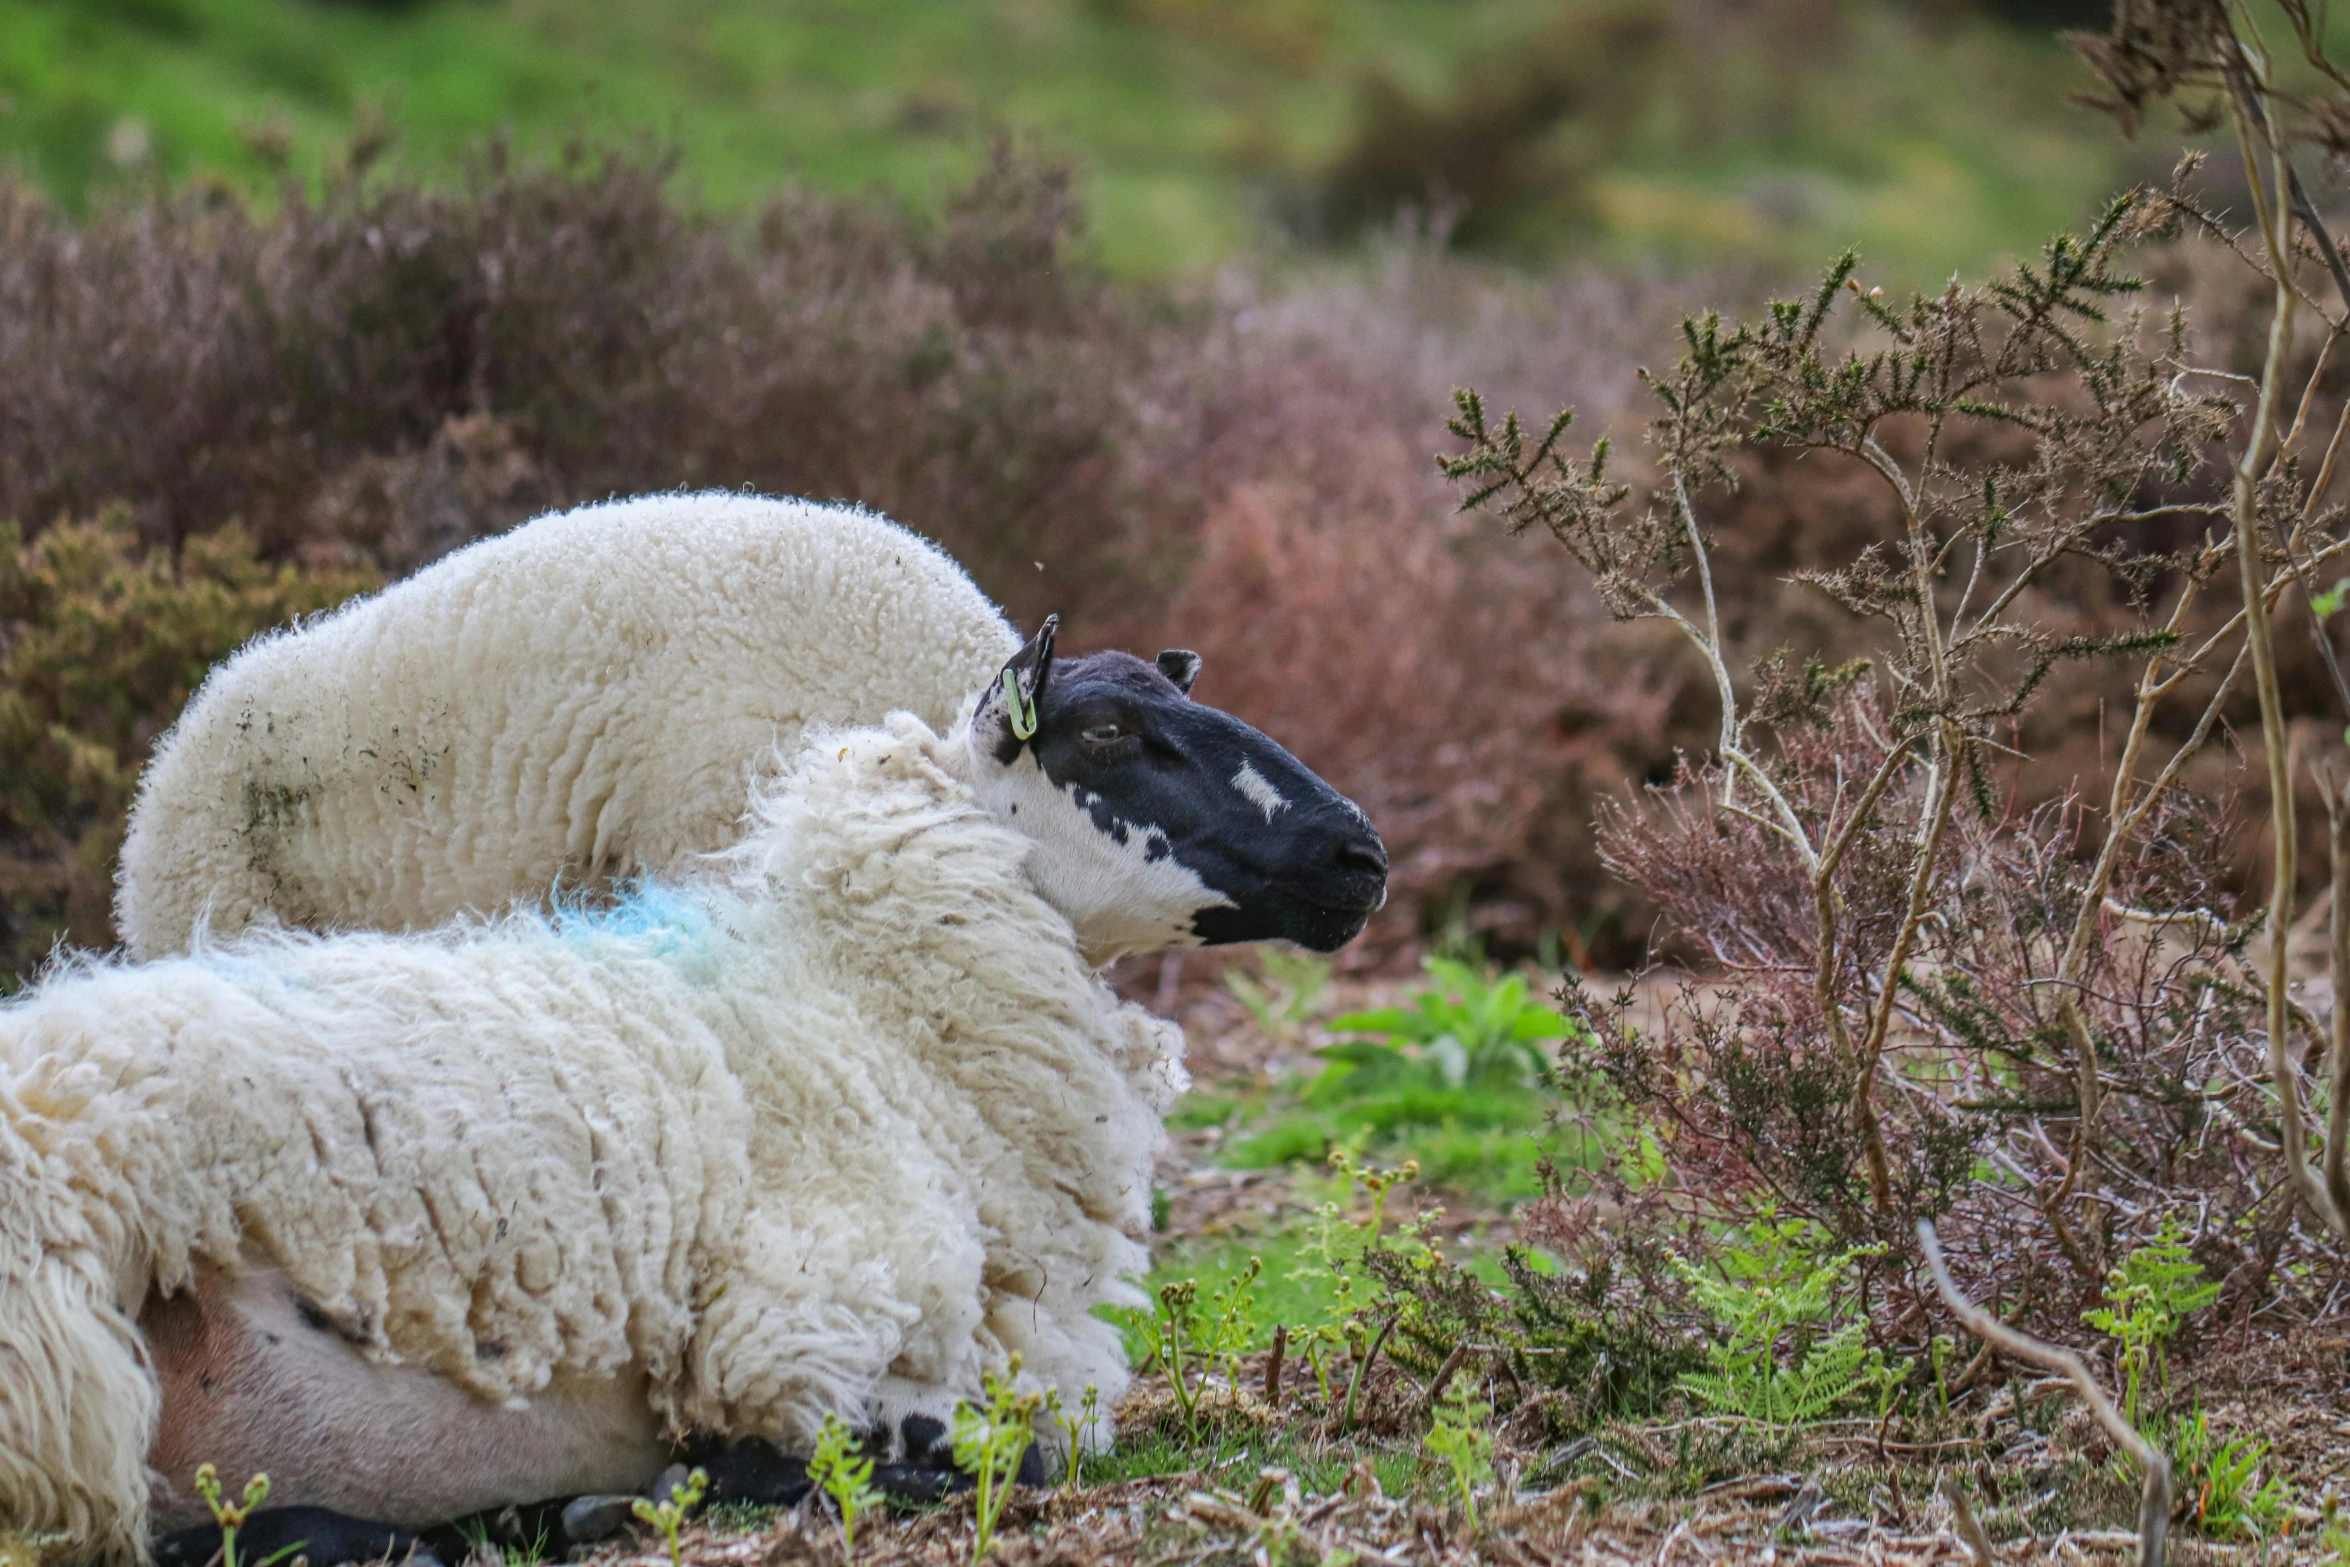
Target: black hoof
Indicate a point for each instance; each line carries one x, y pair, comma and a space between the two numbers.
910, 1486
279, 1534
927, 1470
761, 1474
756, 1473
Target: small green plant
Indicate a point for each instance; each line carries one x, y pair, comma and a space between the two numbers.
669, 1514
1343, 1229
2223, 1482
2333, 1539
1170, 1333
989, 1444
1181, 1335
1462, 1443
845, 1475
1771, 1298
1939, 1353
525, 1553
231, 1516
1087, 1421
1465, 1029
1287, 998
2156, 1288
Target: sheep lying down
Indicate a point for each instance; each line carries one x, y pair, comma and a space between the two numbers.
512, 1209
577, 700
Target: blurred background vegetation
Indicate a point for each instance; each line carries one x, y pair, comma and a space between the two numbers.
1149, 310
1934, 134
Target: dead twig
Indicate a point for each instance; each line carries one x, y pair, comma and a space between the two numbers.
2154, 1506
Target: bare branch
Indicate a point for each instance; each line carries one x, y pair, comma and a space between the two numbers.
2154, 1504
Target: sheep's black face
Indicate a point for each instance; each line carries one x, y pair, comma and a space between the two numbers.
1163, 822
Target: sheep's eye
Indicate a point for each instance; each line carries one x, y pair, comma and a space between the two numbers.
1102, 734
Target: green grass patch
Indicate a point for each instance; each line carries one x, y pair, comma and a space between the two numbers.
1455, 1079
1485, 1146
1932, 137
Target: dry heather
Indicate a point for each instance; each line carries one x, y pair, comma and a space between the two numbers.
372, 376
367, 379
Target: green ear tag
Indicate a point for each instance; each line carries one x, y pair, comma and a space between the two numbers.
1021, 710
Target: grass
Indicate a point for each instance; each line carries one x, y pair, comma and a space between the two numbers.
1163, 103
1480, 1142
1944, 140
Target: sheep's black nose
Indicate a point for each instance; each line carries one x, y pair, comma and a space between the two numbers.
1362, 854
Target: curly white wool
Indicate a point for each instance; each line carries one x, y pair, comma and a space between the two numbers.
849, 1106
576, 700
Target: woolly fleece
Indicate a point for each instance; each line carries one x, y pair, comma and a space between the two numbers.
579, 699
849, 1105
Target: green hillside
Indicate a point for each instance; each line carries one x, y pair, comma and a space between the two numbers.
1771, 132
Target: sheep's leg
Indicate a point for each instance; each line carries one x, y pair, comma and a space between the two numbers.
756, 1472
321, 1537
256, 1380
909, 1434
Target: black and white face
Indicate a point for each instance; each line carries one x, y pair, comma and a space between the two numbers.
1160, 822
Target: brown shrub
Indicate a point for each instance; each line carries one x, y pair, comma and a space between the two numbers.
1454, 681
397, 369
387, 372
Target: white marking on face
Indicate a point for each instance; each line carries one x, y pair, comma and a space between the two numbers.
1259, 791
1123, 891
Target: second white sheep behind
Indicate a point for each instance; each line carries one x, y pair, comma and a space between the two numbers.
576, 700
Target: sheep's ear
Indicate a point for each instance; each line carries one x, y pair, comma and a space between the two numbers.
1181, 665
1021, 685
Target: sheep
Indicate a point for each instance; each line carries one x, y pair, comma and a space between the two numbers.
426, 1223
578, 699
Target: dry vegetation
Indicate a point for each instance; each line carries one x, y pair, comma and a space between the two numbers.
1961, 642
363, 382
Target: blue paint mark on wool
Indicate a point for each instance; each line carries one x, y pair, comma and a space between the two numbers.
658, 921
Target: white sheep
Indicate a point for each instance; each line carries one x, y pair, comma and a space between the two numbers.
576, 700
423, 1224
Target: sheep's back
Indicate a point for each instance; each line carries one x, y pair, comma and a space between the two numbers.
576, 700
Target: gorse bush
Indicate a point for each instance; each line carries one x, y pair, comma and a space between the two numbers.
101, 641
